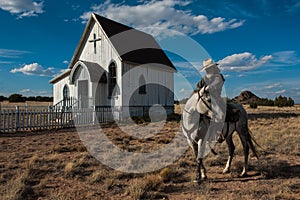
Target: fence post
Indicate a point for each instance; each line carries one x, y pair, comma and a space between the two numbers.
17, 118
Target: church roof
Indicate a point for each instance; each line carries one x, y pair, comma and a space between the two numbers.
133, 45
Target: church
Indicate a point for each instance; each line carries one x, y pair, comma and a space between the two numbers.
117, 66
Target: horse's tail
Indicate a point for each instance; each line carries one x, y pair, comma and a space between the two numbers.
250, 143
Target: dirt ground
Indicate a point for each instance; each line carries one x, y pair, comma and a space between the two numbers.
55, 164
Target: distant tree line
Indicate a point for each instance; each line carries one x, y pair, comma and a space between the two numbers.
21, 98
283, 101
280, 101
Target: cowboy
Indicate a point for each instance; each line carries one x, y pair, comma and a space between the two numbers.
211, 85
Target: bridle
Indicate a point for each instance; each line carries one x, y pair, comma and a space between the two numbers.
200, 97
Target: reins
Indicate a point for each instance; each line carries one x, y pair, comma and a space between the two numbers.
205, 103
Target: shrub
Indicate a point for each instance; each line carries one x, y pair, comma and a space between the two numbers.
253, 105
2, 98
16, 98
139, 187
283, 101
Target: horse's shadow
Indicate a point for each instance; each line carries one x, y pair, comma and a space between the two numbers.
273, 169
267, 169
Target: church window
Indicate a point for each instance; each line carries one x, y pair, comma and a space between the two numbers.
142, 84
66, 92
112, 79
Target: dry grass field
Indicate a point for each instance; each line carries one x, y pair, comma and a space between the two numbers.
56, 165
36, 105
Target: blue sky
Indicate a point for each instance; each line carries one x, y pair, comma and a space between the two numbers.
255, 42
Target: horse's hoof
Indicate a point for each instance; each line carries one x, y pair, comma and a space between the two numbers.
226, 171
199, 181
243, 175
196, 181
203, 178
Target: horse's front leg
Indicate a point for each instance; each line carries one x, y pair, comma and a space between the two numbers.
201, 167
195, 150
231, 149
200, 171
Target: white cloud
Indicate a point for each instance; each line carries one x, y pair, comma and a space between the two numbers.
22, 8
66, 62
243, 62
275, 85
280, 92
25, 90
34, 69
5, 62
165, 14
182, 90
285, 58
31, 92
247, 61
11, 53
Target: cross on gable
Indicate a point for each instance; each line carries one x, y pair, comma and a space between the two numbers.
95, 40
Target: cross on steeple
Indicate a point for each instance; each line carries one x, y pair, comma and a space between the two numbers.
95, 42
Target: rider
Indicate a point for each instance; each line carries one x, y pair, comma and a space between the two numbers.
212, 84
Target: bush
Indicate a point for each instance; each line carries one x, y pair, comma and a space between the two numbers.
280, 101
283, 101
16, 98
2, 98
253, 105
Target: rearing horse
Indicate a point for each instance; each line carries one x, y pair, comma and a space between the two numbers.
195, 127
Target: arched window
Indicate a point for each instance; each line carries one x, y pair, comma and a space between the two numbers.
142, 84
112, 79
66, 93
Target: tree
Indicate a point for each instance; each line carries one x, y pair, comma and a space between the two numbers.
290, 102
283, 101
253, 105
16, 98
2, 98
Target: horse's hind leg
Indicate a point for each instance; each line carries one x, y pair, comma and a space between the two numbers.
243, 138
231, 149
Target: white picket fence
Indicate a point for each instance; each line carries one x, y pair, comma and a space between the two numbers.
30, 120
16, 120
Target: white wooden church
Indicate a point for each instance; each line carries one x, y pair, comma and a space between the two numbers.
118, 66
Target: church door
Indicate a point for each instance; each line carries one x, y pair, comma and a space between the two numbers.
83, 93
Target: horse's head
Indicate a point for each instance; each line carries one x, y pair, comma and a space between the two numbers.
203, 104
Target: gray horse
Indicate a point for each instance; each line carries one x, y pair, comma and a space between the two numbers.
239, 124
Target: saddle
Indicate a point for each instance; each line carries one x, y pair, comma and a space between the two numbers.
232, 113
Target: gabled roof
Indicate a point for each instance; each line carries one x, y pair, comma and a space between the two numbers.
95, 71
132, 45
60, 76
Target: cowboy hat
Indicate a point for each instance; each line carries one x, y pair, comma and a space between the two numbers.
207, 64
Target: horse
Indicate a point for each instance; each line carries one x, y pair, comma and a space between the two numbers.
201, 124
